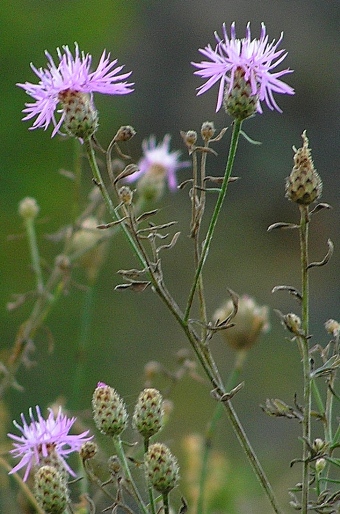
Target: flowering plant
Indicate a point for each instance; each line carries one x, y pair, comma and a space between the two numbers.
244, 70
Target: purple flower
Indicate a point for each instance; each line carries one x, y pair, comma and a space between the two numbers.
70, 75
257, 58
159, 159
39, 437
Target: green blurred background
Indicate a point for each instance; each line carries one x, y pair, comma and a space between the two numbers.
157, 40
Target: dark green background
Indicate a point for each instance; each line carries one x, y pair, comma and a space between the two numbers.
157, 40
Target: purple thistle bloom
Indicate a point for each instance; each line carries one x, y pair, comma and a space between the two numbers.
257, 58
70, 74
159, 157
40, 436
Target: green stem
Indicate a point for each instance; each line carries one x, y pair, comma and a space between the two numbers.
150, 490
257, 468
84, 341
166, 503
35, 258
212, 426
305, 354
206, 246
128, 477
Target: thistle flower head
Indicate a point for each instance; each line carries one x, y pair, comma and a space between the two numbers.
158, 163
50, 490
304, 185
161, 468
109, 412
42, 437
253, 59
65, 81
149, 413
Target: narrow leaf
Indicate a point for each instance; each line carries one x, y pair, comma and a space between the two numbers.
281, 225
326, 258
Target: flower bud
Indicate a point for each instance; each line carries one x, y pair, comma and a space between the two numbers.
28, 208
109, 412
50, 490
304, 185
148, 415
161, 468
240, 103
250, 321
81, 117
320, 465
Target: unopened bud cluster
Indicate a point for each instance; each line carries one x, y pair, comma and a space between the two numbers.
109, 412
240, 102
50, 490
161, 468
304, 185
148, 414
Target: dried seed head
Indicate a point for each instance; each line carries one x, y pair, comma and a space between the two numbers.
109, 412
114, 465
28, 208
50, 490
189, 137
293, 323
304, 185
125, 133
333, 327
250, 321
81, 117
161, 468
207, 130
148, 414
88, 450
125, 195
240, 103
